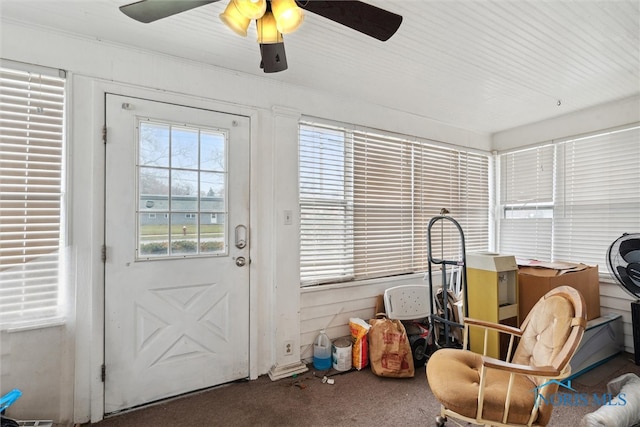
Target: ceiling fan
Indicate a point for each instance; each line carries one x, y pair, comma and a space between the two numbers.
275, 18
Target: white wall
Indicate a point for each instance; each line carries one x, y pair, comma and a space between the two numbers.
40, 363
613, 299
611, 115
58, 368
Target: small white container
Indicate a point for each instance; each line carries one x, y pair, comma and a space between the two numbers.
341, 354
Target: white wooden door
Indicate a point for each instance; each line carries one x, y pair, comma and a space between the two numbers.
177, 250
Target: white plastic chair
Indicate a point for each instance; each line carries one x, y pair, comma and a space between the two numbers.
407, 302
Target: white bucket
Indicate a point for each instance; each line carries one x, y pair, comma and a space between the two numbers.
341, 354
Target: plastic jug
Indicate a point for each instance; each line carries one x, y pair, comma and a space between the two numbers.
322, 352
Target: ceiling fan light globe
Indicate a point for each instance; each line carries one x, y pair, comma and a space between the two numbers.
251, 9
267, 30
287, 14
233, 19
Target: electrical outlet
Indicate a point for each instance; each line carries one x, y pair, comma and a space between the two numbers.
288, 348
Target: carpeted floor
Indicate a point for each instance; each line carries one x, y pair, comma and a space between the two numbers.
357, 398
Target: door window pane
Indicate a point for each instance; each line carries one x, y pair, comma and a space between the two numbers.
154, 235
212, 150
213, 185
189, 164
212, 238
154, 144
184, 190
184, 148
153, 186
184, 233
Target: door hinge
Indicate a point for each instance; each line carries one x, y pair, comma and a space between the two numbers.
103, 372
104, 134
103, 253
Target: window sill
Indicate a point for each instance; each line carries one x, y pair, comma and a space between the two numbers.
33, 324
395, 280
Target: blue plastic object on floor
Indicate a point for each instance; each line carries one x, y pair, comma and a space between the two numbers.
8, 399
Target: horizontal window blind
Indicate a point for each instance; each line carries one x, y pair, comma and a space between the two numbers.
599, 195
596, 198
458, 181
326, 204
526, 195
527, 238
366, 200
31, 156
383, 206
526, 177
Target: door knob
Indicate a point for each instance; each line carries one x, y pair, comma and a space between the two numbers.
241, 261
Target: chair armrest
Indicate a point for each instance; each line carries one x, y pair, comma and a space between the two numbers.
545, 372
495, 326
536, 371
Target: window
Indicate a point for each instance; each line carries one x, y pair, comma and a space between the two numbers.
592, 188
527, 197
31, 183
366, 199
182, 180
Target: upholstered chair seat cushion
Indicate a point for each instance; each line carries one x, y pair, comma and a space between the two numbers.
454, 377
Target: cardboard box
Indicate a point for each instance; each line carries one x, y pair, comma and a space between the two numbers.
537, 278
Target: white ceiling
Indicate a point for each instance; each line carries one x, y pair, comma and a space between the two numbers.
480, 65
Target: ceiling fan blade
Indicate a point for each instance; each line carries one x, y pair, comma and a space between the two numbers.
151, 10
365, 18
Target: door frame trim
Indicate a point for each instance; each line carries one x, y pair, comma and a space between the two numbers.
89, 389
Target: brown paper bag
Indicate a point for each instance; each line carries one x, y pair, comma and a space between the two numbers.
389, 349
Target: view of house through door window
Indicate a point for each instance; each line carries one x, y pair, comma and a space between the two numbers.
181, 185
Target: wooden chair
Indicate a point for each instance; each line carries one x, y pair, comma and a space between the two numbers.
517, 391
